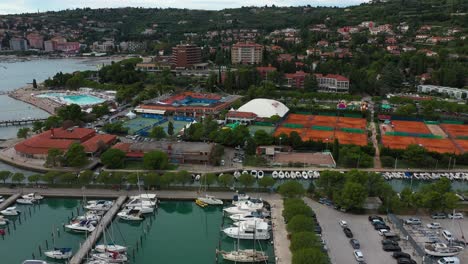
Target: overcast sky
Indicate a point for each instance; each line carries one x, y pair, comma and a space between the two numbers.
22, 6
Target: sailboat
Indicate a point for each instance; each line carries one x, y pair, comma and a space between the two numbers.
209, 199
143, 202
109, 247
32, 196
82, 226
59, 253
131, 215
110, 257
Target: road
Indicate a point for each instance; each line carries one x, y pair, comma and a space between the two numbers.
340, 250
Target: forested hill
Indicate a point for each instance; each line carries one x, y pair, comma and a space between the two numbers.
125, 23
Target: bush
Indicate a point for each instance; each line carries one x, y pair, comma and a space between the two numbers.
291, 189
300, 223
303, 240
309, 255
292, 209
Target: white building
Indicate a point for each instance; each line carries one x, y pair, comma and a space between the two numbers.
450, 91
264, 108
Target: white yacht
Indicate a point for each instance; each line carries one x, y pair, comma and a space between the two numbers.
32, 196
131, 215
211, 200
25, 201
110, 257
246, 216
2, 199
94, 216
147, 198
252, 222
245, 207
247, 230
10, 211
81, 226
240, 197
99, 205
281, 175
3, 220
260, 174
59, 253
274, 174
110, 248
244, 256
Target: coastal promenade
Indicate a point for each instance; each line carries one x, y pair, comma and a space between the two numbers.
280, 238
26, 94
9, 201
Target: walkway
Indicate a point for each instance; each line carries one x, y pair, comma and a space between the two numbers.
280, 235
96, 234
9, 201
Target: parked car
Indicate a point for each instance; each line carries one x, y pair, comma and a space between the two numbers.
382, 231
380, 226
447, 235
398, 255
438, 216
375, 217
358, 255
348, 232
406, 261
389, 242
433, 225
449, 260
413, 221
318, 229
391, 236
391, 248
343, 223
355, 243
455, 216
377, 222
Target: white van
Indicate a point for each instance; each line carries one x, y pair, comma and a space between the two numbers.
449, 260
447, 235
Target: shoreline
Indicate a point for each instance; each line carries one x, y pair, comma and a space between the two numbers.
24, 94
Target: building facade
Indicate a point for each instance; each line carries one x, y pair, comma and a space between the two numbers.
18, 44
185, 56
35, 40
450, 91
332, 83
296, 79
246, 53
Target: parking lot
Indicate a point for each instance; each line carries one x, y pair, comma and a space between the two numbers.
422, 234
339, 248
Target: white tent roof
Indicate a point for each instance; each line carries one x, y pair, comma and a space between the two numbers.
130, 114
264, 107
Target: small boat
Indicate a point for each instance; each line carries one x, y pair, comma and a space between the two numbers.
254, 173
110, 257
298, 174
293, 175
245, 172
33, 196
247, 230
34, 261
274, 174
100, 205
281, 175
3, 220
240, 197
25, 201
245, 207
237, 174
59, 253
131, 215
248, 216
10, 211
200, 203
90, 215
2, 199
211, 200
197, 178
110, 247
244, 256
305, 175
287, 175
260, 174
441, 250
310, 174
81, 226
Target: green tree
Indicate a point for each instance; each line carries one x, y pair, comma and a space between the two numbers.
308, 256
170, 128
132, 178
23, 132
37, 126
266, 182
310, 83
18, 177
291, 189
152, 179
226, 180
330, 181
262, 138
50, 177
183, 177
300, 223
167, 178
67, 177
34, 178
352, 196
100, 110
336, 149
158, 132
296, 206
155, 160
54, 157
208, 179
303, 240
250, 147
85, 177
246, 180
75, 156
70, 112
5, 175
113, 158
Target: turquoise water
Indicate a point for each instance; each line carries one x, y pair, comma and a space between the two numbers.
82, 99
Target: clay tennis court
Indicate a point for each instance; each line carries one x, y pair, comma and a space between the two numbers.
462, 143
436, 130
287, 131
349, 122
410, 127
329, 121
319, 135
351, 138
299, 119
455, 130
435, 145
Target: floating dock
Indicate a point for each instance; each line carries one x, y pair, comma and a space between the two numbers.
96, 234
9, 201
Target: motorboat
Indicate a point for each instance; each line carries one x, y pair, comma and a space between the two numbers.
305, 175
147, 199
197, 178
131, 215
90, 216
2, 199
25, 201
59, 253
310, 174
10, 211
441, 250
298, 174
247, 216
211, 200
34, 261
274, 175
244, 256
260, 174
99, 205
245, 207
81, 226
32, 196
245, 172
110, 257
293, 175
248, 230
254, 173
143, 209
240, 197
3, 221
237, 174
281, 175
287, 175
253, 221
110, 248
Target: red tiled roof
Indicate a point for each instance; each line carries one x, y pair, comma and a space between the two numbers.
92, 145
332, 76
41, 144
267, 68
296, 75
77, 133
247, 45
239, 114
125, 147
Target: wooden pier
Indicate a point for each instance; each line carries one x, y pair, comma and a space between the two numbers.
96, 234
9, 201
19, 122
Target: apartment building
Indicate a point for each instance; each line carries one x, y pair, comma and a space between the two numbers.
332, 83
185, 56
246, 53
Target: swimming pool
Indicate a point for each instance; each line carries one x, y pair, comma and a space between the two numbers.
79, 99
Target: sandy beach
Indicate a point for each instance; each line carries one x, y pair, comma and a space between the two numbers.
25, 94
